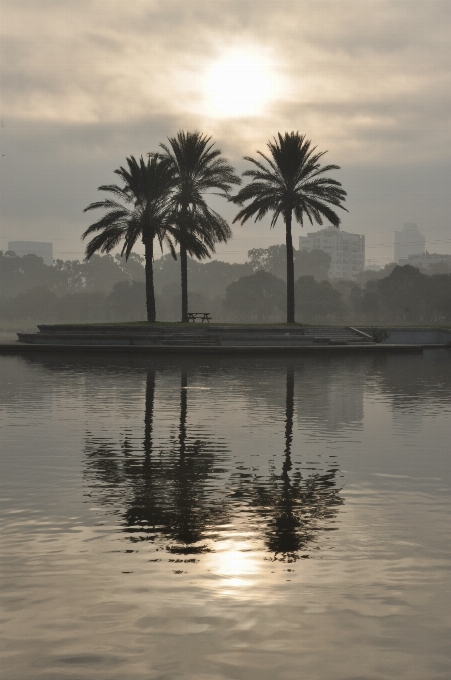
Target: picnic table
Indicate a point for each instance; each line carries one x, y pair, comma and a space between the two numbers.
204, 316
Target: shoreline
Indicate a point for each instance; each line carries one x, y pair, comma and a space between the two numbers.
22, 348
226, 339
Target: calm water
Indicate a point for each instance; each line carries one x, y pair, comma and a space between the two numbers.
226, 518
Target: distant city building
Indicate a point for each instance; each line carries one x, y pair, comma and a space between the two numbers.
426, 260
373, 268
347, 251
408, 242
44, 250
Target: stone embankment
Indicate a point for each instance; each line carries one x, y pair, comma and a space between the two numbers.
414, 335
222, 338
182, 336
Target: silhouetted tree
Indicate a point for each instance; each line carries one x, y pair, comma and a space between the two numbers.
403, 293
36, 303
351, 296
145, 212
198, 168
211, 277
315, 301
259, 297
290, 182
306, 263
19, 274
127, 301
369, 275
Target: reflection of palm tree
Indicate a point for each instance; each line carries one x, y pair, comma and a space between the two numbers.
292, 508
193, 507
285, 539
172, 492
168, 493
145, 512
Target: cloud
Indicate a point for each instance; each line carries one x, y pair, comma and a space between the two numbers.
346, 61
87, 82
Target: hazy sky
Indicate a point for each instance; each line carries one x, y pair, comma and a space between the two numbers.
86, 83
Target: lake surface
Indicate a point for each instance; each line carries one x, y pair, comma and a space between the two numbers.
226, 518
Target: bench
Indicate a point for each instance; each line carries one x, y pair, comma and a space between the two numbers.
204, 316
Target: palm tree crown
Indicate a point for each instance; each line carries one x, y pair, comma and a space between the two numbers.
290, 181
142, 209
198, 168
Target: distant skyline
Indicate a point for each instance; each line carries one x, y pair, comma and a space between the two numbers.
86, 83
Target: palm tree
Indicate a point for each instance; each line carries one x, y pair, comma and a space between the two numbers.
144, 210
198, 168
290, 181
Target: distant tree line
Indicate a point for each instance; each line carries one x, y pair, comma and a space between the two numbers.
107, 288
21, 274
405, 295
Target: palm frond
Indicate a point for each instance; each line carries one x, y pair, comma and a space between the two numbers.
120, 192
170, 245
147, 186
289, 179
198, 168
105, 241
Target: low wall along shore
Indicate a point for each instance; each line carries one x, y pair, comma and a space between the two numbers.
416, 336
225, 339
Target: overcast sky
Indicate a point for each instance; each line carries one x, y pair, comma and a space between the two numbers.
85, 83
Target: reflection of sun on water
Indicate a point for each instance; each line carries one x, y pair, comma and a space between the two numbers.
236, 565
242, 83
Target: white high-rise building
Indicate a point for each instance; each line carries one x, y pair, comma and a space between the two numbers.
39, 248
347, 251
408, 242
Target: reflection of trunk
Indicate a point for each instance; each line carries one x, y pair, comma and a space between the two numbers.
292, 506
194, 507
148, 415
143, 512
289, 410
185, 527
183, 412
285, 539
147, 472
172, 495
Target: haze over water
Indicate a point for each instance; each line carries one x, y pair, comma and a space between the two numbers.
226, 518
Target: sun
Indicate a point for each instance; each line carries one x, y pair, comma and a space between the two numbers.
242, 83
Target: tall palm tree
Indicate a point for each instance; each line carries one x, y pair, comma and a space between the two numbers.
143, 210
198, 168
290, 181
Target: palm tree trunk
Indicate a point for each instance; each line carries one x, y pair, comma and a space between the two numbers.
150, 291
184, 272
290, 269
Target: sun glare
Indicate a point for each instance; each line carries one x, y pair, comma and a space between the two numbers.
236, 568
241, 83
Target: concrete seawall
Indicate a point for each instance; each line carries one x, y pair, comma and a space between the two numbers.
203, 339
416, 336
